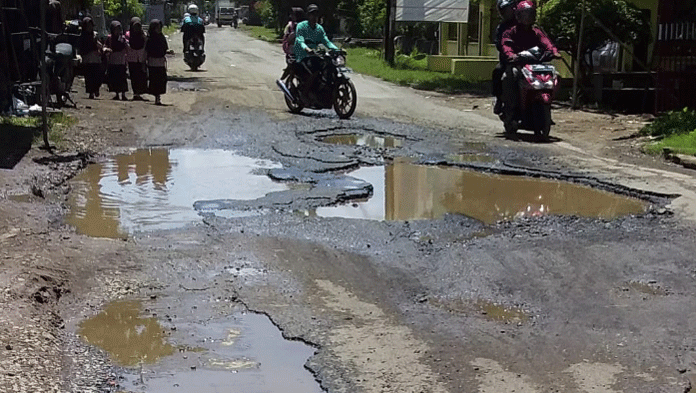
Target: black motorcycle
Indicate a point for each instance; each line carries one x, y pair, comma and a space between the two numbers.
194, 54
330, 85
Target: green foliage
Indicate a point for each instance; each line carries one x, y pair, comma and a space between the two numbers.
672, 123
116, 8
372, 15
267, 13
561, 21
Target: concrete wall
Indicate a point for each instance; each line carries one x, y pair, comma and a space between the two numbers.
476, 69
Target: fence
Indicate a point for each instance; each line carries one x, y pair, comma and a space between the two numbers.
675, 63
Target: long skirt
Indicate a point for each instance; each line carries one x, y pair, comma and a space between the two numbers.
94, 73
116, 78
158, 80
138, 76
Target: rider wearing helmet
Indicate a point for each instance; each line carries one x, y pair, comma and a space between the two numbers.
193, 25
522, 36
506, 9
308, 35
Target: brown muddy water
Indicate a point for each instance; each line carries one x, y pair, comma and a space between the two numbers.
243, 353
373, 141
151, 189
405, 191
129, 338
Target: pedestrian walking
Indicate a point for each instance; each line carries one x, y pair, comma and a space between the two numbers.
137, 62
90, 50
116, 48
156, 50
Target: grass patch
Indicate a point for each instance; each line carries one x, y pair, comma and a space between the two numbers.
684, 143
58, 125
673, 122
409, 71
260, 32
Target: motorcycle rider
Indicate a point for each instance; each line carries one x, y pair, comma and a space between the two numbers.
523, 36
308, 35
193, 25
506, 9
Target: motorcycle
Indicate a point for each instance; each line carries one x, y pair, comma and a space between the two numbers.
194, 55
538, 85
333, 88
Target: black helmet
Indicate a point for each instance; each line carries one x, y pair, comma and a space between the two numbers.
505, 3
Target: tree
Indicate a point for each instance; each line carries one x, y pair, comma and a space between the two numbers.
372, 15
119, 8
624, 21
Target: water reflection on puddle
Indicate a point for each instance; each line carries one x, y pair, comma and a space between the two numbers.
405, 191
245, 353
376, 142
125, 335
156, 188
239, 354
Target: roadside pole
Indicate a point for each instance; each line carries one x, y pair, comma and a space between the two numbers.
388, 41
44, 81
576, 70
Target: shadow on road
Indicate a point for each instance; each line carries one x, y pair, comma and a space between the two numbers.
528, 138
15, 142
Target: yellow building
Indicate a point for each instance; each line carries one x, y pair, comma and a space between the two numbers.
466, 48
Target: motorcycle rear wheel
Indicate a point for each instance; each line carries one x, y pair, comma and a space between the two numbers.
293, 83
345, 99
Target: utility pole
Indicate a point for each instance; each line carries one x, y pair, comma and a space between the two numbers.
388, 41
578, 58
44, 78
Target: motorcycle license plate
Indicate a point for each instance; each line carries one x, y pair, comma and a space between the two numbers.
543, 68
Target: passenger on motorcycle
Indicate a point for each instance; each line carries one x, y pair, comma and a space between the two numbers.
296, 16
193, 25
523, 36
506, 9
308, 36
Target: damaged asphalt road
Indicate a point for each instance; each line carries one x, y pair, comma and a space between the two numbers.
219, 266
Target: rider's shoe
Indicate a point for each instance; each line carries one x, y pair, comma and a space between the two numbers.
498, 106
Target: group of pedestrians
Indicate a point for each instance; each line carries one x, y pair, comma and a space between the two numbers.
134, 53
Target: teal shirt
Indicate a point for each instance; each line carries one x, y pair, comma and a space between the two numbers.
306, 37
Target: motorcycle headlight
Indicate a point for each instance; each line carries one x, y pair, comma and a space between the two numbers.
538, 85
339, 61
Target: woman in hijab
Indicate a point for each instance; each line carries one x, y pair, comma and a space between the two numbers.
136, 59
116, 47
156, 49
90, 50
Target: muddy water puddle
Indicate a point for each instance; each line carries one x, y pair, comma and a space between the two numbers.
406, 191
242, 353
129, 338
151, 189
373, 141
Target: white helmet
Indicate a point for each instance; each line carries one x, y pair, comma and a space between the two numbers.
193, 9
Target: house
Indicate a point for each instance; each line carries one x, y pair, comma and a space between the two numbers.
467, 49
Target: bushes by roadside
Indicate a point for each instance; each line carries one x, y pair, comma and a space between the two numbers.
674, 130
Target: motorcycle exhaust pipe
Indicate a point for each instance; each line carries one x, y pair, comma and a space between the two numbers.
285, 90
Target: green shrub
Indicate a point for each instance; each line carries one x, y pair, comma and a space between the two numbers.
671, 123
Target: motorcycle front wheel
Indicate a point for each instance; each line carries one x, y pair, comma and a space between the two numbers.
542, 120
293, 85
345, 99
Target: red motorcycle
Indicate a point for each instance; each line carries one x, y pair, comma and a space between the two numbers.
538, 84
